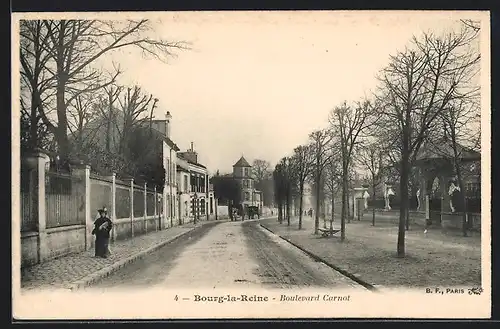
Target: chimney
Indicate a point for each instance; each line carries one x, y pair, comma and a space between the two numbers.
168, 118
190, 154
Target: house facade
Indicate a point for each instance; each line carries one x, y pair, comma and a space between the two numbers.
183, 190
169, 155
197, 198
242, 171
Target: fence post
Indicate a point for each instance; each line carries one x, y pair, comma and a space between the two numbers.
82, 171
155, 214
42, 160
131, 181
145, 208
113, 204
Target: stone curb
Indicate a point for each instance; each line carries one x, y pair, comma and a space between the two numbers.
336, 268
102, 273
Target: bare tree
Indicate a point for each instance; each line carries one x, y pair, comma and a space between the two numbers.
280, 189
371, 158
302, 168
75, 45
81, 110
260, 169
263, 176
349, 123
36, 84
320, 149
418, 84
136, 108
333, 180
289, 184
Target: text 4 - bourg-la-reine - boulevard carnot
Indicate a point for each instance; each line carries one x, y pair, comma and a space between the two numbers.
264, 298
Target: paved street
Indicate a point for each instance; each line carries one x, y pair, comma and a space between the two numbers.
227, 255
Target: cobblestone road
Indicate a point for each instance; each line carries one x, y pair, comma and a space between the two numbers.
229, 255
61, 272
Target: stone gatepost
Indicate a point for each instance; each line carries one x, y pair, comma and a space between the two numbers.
82, 171
113, 204
40, 162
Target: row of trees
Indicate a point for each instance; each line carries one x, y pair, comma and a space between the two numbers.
427, 90
64, 88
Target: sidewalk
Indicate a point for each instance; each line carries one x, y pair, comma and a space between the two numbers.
78, 270
369, 254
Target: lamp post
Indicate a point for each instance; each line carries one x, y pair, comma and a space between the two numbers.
195, 207
159, 212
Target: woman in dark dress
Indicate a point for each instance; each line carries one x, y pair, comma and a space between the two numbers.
102, 227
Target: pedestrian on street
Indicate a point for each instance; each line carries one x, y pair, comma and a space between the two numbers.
102, 227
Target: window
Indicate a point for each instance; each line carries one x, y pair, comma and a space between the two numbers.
186, 188
211, 205
245, 183
247, 196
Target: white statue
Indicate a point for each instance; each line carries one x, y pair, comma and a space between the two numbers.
418, 199
366, 196
388, 193
453, 188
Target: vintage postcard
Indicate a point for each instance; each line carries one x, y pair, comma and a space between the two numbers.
251, 164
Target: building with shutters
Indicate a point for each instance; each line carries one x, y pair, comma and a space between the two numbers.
196, 198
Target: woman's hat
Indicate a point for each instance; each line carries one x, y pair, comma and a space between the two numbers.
103, 209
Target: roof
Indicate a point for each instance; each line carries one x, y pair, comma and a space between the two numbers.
242, 162
443, 149
197, 164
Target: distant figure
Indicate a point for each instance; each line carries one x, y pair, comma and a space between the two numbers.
102, 227
453, 192
418, 199
388, 194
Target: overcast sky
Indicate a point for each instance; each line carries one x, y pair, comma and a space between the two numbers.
256, 84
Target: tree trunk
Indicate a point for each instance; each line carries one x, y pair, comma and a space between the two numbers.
280, 212
62, 123
373, 200
407, 217
333, 210
318, 191
462, 197
347, 200
33, 138
288, 209
300, 205
344, 202
403, 188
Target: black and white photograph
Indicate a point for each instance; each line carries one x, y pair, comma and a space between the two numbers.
251, 164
